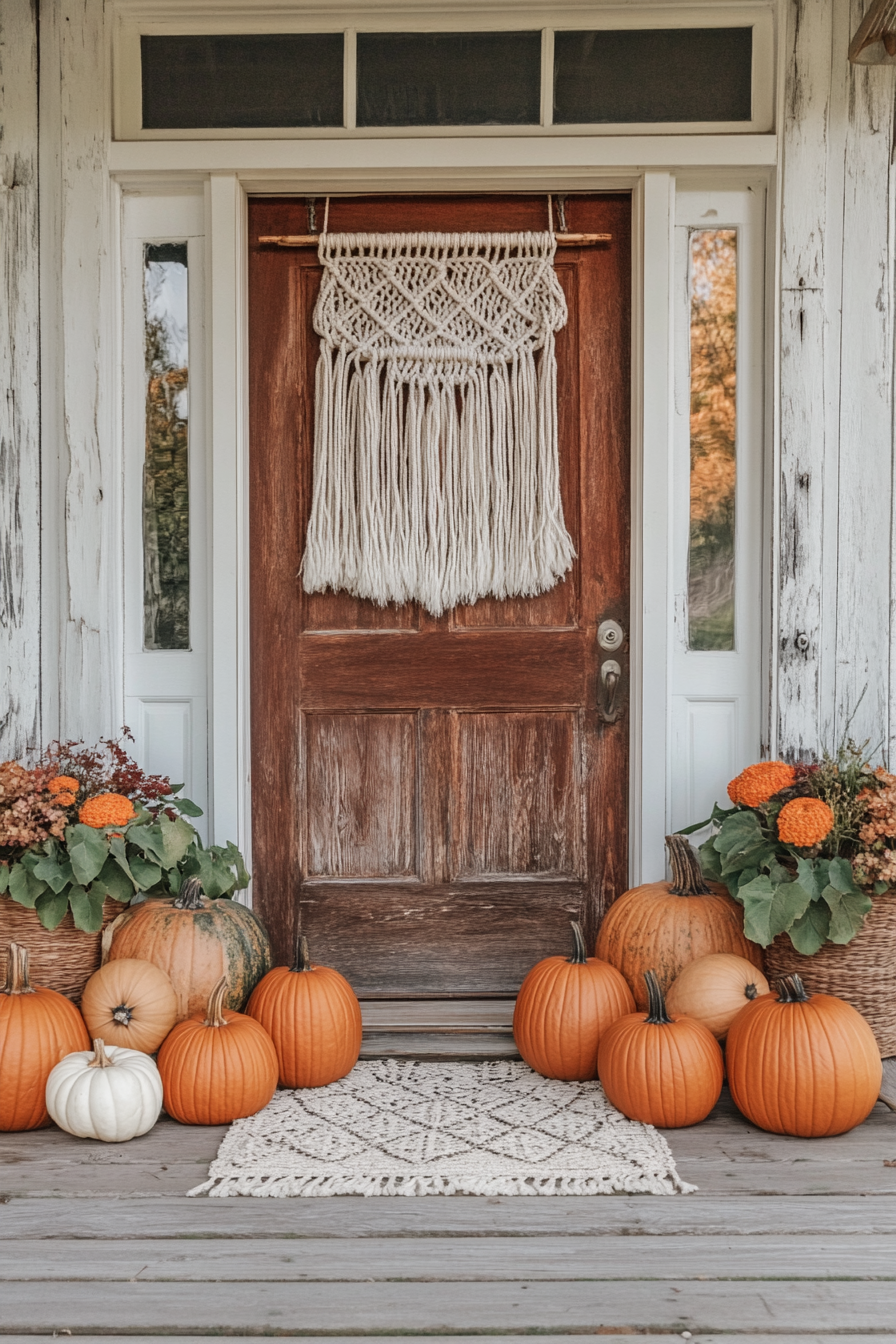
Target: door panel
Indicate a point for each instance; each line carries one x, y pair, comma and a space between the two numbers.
434, 799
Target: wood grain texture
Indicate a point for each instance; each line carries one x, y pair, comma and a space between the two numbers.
506, 790
20, 503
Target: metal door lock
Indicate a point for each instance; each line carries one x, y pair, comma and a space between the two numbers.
610, 636
610, 676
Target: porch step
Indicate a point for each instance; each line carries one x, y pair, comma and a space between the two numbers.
440, 1029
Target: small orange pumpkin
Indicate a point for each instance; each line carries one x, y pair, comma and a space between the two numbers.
662, 1070
563, 1007
803, 1064
38, 1028
661, 926
713, 989
130, 1003
313, 1018
217, 1066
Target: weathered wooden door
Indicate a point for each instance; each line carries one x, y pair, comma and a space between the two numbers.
434, 799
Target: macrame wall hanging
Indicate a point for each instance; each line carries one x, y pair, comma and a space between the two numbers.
436, 466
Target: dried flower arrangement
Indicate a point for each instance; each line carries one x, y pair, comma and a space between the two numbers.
85, 823
805, 846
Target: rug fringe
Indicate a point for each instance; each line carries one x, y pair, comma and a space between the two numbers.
286, 1187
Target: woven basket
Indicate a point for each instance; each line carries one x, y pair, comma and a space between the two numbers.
863, 972
63, 960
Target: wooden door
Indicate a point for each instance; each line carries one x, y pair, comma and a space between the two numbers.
434, 799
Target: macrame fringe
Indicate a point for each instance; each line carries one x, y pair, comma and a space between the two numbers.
287, 1187
436, 466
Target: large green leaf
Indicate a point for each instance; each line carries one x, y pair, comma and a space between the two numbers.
24, 887
87, 851
841, 878
114, 882
812, 875
742, 843
118, 852
710, 860
848, 911
4, 878
87, 908
51, 908
790, 902
188, 808
757, 898
55, 870
809, 931
234, 859
144, 873
176, 838
212, 871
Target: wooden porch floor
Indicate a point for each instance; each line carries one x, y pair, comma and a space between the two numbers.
786, 1240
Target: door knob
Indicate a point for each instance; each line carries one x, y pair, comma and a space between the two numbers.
610, 675
610, 636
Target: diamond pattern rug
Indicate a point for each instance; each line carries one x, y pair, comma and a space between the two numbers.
404, 1127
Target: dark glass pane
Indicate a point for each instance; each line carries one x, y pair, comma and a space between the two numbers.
713, 283
241, 80
166, 495
669, 74
449, 79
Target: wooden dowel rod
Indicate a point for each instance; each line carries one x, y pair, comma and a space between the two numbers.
312, 239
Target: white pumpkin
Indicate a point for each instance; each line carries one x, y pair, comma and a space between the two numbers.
109, 1093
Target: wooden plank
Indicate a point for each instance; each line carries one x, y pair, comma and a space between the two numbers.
437, 1014
20, 470
377, 1308
457, 1260
438, 1045
168, 1216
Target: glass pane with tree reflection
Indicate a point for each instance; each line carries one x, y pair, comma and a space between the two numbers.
713, 422
166, 498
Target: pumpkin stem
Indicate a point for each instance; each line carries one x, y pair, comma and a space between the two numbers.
17, 981
303, 956
100, 1059
579, 953
792, 990
687, 875
751, 991
656, 1002
190, 895
214, 1013
122, 1015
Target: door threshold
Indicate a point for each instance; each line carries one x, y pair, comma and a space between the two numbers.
438, 1029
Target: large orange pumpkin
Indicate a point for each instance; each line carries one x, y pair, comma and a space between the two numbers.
217, 1066
662, 1070
130, 1003
803, 1064
563, 1008
38, 1028
313, 1018
195, 941
661, 926
714, 989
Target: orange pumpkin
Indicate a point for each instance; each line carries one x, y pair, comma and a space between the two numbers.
661, 926
38, 1028
195, 941
803, 1064
130, 1003
563, 1007
313, 1018
713, 989
662, 1070
217, 1066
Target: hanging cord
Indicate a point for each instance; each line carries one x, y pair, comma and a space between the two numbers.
326, 213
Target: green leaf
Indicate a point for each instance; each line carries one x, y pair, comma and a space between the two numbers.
144, 873
176, 838
742, 843
841, 878
24, 887
87, 907
790, 903
56, 872
119, 853
4, 877
115, 882
51, 908
809, 931
234, 859
848, 913
757, 898
188, 808
147, 839
87, 851
709, 859
812, 875
213, 873
879, 887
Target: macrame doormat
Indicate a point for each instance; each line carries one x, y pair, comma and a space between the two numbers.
397, 1127
436, 467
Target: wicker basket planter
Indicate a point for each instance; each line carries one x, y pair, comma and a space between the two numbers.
62, 960
863, 972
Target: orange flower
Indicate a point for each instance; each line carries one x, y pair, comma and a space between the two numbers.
760, 782
107, 809
804, 822
64, 799
63, 784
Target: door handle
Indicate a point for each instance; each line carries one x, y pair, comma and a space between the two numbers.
610, 676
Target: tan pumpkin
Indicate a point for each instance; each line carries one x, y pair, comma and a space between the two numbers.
195, 941
713, 990
661, 926
129, 1003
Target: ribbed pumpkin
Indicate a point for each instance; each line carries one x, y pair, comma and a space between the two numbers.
195, 941
130, 1003
803, 1064
313, 1018
38, 1028
217, 1066
662, 1070
661, 926
563, 1007
713, 989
